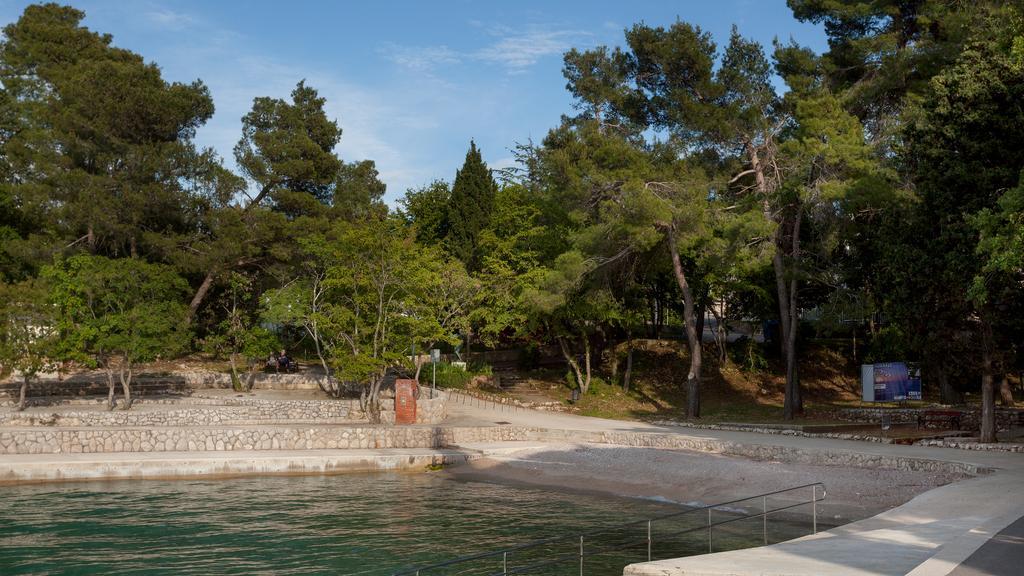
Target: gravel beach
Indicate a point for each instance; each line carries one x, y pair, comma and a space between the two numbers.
700, 478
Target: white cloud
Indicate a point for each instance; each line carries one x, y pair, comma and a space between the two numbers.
515, 50
520, 51
420, 58
167, 18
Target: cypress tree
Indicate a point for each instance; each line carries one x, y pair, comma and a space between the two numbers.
469, 210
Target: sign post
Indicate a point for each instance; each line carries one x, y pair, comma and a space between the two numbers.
435, 357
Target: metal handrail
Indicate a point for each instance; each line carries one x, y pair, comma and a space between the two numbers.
481, 402
579, 539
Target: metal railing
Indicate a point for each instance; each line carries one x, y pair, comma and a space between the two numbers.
578, 547
465, 398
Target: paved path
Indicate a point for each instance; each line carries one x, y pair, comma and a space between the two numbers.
931, 535
1003, 555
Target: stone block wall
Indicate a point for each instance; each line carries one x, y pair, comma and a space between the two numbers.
431, 408
41, 440
970, 420
251, 412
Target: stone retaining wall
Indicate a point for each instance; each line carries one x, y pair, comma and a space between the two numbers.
763, 452
970, 420
85, 440
95, 383
429, 410
313, 412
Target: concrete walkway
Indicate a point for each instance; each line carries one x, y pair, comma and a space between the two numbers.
1003, 555
931, 535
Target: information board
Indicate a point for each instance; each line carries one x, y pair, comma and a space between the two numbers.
890, 382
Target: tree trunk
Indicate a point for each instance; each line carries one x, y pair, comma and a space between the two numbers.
22, 392
652, 328
794, 402
788, 313
629, 367
110, 386
721, 337
325, 385
236, 382
690, 322
369, 399
200, 295
947, 393
988, 396
126, 385
613, 362
1005, 393
582, 380
250, 377
90, 236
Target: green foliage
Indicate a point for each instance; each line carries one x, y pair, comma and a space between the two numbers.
366, 295
449, 376
102, 149
239, 336
126, 309
358, 191
427, 209
287, 150
469, 210
748, 355
1002, 240
27, 336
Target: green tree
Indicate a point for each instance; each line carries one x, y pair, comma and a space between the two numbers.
966, 153
469, 209
286, 151
883, 53
364, 296
26, 332
638, 195
427, 209
514, 250
104, 144
239, 336
357, 191
286, 156
116, 313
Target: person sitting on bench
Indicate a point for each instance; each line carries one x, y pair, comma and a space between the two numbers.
284, 362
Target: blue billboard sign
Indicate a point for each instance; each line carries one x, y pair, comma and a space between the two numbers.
890, 382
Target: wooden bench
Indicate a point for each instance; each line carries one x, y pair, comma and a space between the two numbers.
949, 419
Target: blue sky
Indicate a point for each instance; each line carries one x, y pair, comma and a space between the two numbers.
409, 82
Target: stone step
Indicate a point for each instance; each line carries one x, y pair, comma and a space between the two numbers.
41, 440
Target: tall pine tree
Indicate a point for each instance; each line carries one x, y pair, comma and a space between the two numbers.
469, 209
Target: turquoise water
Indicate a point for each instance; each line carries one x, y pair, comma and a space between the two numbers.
349, 524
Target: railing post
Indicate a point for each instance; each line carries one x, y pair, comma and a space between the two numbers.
581, 555
709, 530
504, 563
764, 518
814, 507
648, 540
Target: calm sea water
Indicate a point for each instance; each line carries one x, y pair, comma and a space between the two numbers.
348, 524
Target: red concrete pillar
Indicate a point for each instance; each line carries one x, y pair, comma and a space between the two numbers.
405, 401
